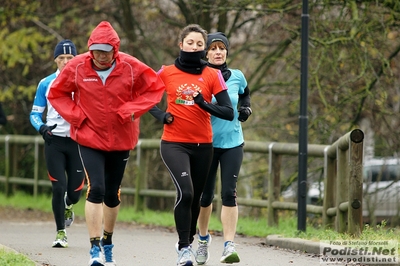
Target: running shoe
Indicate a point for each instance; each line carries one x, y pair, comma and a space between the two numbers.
230, 255
96, 257
202, 253
108, 255
61, 240
184, 256
69, 215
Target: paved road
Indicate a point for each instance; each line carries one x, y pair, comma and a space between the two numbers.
134, 245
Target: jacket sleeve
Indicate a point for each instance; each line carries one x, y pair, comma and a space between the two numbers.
60, 96
39, 105
148, 90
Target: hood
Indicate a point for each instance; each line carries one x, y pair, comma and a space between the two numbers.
105, 33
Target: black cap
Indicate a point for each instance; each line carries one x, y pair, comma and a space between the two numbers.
217, 37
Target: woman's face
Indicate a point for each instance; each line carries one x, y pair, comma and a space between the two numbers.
216, 54
193, 42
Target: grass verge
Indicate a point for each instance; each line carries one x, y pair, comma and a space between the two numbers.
248, 226
10, 258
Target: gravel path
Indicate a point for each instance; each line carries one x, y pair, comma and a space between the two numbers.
32, 232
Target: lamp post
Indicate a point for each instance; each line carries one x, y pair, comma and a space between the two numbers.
303, 123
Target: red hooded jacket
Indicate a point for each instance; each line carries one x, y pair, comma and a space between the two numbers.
100, 115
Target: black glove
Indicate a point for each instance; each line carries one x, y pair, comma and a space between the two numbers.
45, 131
199, 98
168, 118
244, 113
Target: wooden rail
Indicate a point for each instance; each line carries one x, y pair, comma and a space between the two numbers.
342, 208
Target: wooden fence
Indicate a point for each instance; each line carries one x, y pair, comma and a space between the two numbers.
343, 160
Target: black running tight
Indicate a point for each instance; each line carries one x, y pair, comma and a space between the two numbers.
230, 161
104, 170
188, 165
65, 173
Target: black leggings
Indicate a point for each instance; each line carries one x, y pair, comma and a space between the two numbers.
188, 165
230, 161
104, 172
66, 174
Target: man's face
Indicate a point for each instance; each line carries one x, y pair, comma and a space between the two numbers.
62, 60
102, 59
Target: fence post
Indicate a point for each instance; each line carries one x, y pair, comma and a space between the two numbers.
7, 166
342, 188
355, 219
274, 184
139, 204
329, 189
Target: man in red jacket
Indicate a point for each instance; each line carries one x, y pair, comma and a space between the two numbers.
111, 90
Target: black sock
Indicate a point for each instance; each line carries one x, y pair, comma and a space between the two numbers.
107, 238
95, 241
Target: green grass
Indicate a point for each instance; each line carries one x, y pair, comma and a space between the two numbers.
246, 225
10, 258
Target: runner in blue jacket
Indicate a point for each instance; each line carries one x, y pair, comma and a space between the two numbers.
61, 152
228, 145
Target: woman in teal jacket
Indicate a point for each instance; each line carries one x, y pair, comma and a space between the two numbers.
228, 145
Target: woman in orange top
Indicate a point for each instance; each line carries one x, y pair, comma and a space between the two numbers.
186, 145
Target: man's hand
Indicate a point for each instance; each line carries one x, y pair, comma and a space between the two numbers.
45, 131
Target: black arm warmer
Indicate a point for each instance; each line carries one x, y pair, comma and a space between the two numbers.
223, 109
244, 99
158, 113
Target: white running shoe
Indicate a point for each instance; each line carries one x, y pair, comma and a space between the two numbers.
202, 253
230, 255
